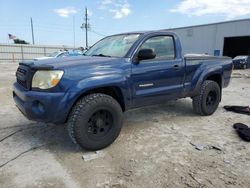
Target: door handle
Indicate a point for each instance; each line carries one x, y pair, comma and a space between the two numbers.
176, 66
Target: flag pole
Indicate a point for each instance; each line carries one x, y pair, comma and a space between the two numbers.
32, 31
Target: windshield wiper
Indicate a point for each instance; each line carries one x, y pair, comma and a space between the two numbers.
101, 55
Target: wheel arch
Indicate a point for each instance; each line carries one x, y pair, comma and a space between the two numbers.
113, 91
216, 77
214, 74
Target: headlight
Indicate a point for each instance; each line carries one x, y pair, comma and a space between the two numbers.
243, 62
44, 79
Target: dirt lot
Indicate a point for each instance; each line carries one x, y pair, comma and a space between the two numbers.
153, 149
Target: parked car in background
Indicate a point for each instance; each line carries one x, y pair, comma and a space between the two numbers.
61, 54
242, 61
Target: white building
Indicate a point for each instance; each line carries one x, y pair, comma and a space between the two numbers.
229, 38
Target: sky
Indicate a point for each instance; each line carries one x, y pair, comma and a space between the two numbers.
56, 22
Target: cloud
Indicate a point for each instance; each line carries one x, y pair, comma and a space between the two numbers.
106, 2
66, 12
121, 12
227, 8
118, 8
90, 13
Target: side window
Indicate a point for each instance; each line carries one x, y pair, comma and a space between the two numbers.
163, 46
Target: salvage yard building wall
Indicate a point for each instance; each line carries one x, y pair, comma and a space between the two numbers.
210, 38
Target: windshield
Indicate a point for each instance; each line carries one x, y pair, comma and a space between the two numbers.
54, 54
240, 57
113, 46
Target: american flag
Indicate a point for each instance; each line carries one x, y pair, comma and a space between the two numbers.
11, 37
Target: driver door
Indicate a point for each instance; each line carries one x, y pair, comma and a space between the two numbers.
159, 79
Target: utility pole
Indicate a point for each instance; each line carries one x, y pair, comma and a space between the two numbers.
86, 26
74, 32
32, 31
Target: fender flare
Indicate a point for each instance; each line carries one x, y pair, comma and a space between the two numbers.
85, 85
217, 70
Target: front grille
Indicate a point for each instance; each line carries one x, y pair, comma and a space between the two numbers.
238, 61
21, 70
23, 75
22, 83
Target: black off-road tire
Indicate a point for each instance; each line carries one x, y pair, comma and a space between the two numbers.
201, 101
80, 125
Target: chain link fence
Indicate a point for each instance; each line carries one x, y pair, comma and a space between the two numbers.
12, 53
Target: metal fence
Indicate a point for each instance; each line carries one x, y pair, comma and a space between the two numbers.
20, 52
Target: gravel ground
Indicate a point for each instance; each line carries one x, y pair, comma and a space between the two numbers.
154, 148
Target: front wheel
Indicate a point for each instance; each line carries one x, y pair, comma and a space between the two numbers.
207, 101
95, 121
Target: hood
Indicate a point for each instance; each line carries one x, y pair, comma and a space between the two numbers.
81, 67
74, 62
239, 59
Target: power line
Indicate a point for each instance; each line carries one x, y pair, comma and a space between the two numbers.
97, 33
52, 28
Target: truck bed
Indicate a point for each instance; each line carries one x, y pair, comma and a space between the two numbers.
199, 65
205, 57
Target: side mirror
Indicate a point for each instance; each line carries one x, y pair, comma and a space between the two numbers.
146, 53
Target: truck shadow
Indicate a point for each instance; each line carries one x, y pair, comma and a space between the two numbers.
169, 110
55, 137
25, 138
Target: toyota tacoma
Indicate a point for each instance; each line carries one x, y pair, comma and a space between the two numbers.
118, 73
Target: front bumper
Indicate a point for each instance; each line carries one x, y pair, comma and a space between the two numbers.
239, 65
41, 106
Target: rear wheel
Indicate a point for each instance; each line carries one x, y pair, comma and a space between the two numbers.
95, 121
244, 66
208, 99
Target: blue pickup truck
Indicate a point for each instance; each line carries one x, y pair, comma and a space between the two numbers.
118, 73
